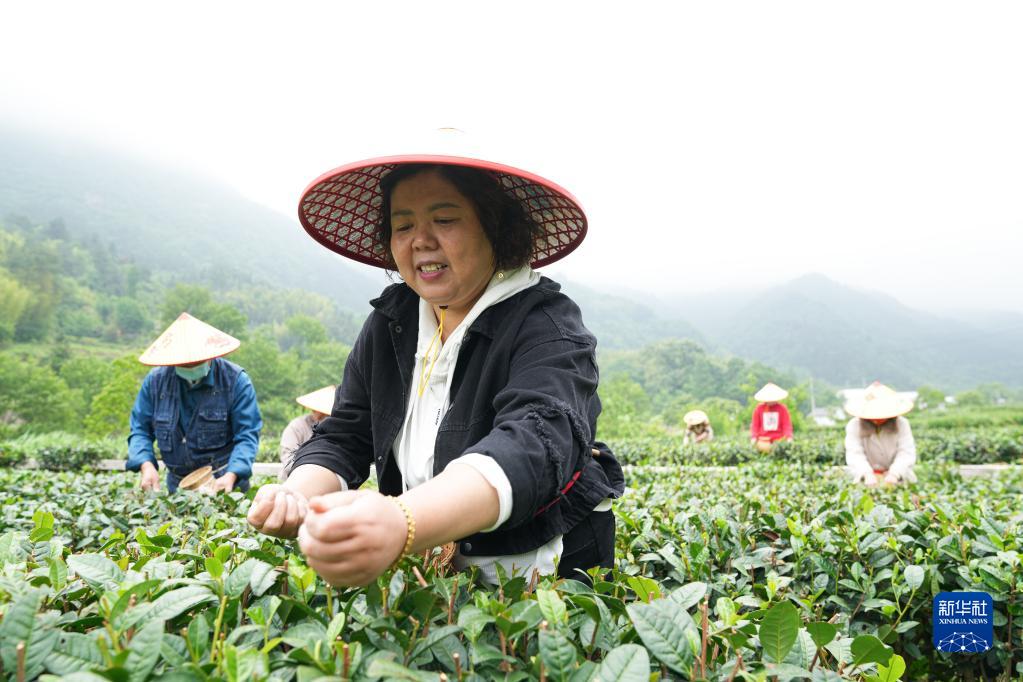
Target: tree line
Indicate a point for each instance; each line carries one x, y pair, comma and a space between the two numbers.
75, 314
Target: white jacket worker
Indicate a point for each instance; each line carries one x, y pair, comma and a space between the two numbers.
879, 445
698, 428
320, 403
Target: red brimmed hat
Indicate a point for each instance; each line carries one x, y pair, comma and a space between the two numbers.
341, 208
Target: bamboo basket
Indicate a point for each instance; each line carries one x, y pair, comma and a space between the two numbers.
200, 480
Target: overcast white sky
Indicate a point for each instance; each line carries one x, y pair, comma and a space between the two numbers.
713, 145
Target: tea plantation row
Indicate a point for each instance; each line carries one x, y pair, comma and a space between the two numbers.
62, 451
773, 570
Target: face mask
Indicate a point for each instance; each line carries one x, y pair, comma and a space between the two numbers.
193, 374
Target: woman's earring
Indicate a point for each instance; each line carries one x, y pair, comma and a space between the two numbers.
500, 275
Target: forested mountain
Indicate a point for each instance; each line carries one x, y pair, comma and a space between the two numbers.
98, 253
814, 326
74, 315
850, 337
169, 220
621, 323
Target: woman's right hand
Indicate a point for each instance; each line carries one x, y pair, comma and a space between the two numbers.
278, 511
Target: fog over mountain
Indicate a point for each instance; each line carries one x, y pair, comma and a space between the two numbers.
169, 219
210, 234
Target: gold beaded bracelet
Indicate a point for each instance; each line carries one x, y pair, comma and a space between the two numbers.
411, 536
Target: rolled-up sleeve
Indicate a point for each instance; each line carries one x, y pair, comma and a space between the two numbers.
540, 429
140, 437
343, 442
498, 480
247, 424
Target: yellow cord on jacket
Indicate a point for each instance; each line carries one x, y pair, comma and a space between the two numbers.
424, 374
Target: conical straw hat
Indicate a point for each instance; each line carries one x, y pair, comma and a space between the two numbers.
321, 400
341, 208
879, 402
188, 340
771, 393
694, 417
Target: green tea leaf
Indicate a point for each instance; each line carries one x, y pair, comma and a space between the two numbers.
223, 553
388, 669
914, 577
557, 653
305, 634
472, 620
336, 626
170, 604
243, 665
57, 573
73, 653
100, 572
869, 649
17, 626
240, 577
822, 633
689, 595
263, 577
432, 639
82, 676
42, 519
214, 566
198, 637
552, 607
891, 672
663, 626
144, 650
646, 589
778, 630
628, 663
786, 671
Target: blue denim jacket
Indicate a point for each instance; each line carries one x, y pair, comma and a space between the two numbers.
215, 422
524, 392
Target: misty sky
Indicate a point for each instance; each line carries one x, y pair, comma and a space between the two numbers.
725, 144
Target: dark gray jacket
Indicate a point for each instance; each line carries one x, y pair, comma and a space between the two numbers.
524, 393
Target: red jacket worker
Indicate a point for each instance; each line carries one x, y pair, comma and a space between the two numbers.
771, 420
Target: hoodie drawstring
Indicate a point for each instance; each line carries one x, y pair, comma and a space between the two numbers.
424, 374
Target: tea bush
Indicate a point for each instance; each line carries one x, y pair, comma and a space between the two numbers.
775, 569
824, 447
10, 456
63, 451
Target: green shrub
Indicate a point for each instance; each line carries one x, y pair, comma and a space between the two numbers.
969, 417
10, 457
62, 451
978, 446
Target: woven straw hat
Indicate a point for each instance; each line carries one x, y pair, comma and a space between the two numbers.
770, 393
879, 402
320, 400
694, 417
340, 209
188, 340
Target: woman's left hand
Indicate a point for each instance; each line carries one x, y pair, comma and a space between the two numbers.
352, 537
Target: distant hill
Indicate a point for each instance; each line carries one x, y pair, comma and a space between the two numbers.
620, 323
209, 234
170, 220
849, 336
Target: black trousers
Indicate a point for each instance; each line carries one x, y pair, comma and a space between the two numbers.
591, 543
